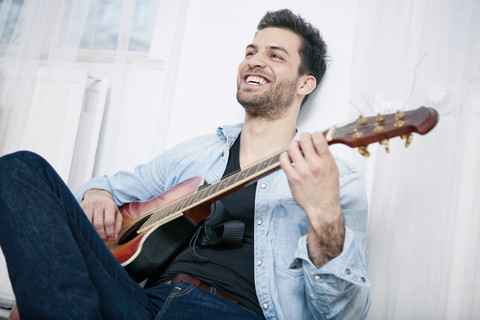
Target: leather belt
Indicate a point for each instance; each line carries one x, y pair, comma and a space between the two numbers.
204, 286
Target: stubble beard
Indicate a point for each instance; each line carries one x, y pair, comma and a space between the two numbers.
270, 105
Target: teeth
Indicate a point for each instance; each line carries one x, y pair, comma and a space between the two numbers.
256, 80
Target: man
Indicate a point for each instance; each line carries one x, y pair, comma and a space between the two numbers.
301, 252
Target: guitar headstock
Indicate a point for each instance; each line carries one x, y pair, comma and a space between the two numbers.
381, 128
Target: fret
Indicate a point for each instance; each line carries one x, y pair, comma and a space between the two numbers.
267, 163
231, 180
187, 201
199, 195
214, 187
176, 206
163, 213
168, 210
151, 220
209, 191
223, 183
242, 175
160, 214
249, 171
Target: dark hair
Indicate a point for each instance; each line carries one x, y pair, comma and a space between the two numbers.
313, 50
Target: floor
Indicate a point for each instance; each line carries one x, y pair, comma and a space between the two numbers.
5, 306
4, 313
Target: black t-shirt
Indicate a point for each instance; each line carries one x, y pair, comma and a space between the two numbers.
231, 269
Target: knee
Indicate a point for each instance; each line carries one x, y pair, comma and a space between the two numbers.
12, 159
13, 163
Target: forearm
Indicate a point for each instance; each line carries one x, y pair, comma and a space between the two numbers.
326, 235
124, 187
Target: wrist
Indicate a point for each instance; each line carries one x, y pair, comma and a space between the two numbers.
96, 193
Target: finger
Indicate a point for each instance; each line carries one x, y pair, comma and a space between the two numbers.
109, 223
88, 210
286, 164
320, 143
307, 146
98, 223
326, 157
118, 223
295, 153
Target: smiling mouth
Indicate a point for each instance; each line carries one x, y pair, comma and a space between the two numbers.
255, 80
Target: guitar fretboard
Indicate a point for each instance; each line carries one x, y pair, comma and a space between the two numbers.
215, 191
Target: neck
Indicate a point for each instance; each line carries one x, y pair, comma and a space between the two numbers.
261, 138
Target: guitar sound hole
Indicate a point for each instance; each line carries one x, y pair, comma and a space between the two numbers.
131, 233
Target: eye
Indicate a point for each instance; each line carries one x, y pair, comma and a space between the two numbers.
250, 53
276, 56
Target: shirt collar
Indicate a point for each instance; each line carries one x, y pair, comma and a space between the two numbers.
231, 132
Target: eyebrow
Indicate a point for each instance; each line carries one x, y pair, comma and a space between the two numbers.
252, 46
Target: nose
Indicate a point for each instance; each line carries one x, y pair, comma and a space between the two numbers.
258, 60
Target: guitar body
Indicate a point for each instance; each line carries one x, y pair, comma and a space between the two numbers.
153, 249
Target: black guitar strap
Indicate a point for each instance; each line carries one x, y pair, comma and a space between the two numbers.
220, 230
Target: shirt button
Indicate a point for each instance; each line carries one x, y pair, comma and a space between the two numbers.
348, 271
263, 186
259, 262
316, 277
259, 221
265, 306
363, 279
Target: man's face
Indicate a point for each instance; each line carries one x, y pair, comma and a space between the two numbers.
268, 77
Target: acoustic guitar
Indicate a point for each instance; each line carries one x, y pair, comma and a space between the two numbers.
153, 232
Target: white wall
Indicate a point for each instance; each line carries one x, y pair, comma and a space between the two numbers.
215, 36
199, 45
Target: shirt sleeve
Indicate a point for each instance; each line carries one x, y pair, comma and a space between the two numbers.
200, 156
143, 183
340, 288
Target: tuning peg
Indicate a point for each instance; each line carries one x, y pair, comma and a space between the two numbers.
399, 115
408, 139
398, 119
357, 134
384, 142
380, 117
361, 119
364, 151
377, 127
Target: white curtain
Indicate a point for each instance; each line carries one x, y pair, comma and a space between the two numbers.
80, 86
64, 65
41, 86
423, 246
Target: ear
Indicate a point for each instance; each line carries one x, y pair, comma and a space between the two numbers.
307, 84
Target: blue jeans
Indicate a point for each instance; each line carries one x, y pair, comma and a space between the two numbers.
60, 268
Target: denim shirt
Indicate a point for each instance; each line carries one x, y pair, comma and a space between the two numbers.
288, 285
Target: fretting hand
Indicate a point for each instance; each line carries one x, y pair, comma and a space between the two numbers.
313, 179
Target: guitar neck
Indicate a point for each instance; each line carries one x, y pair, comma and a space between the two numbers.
359, 133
